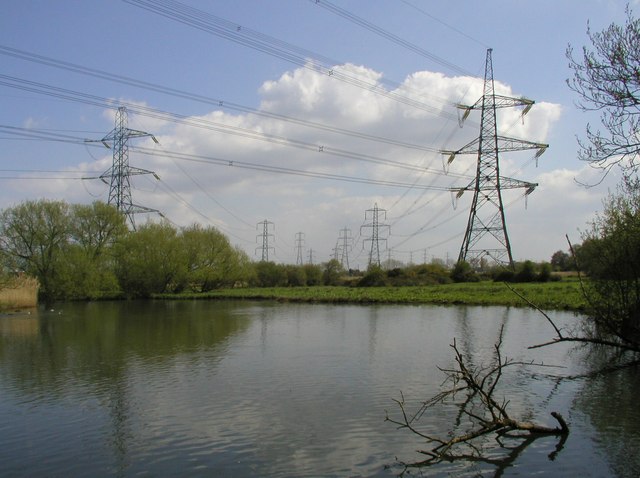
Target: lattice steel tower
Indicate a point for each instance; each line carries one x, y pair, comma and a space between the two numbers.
375, 225
299, 247
486, 233
119, 174
266, 235
344, 247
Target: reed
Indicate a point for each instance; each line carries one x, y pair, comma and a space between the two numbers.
19, 292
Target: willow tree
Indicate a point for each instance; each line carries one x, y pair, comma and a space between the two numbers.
33, 236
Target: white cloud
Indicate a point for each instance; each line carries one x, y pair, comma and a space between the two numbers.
237, 198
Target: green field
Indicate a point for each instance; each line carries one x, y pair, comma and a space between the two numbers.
561, 295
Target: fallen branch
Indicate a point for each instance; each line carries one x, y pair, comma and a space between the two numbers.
488, 415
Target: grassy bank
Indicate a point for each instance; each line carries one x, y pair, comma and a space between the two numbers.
562, 295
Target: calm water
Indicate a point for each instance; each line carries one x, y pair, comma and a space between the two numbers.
247, 389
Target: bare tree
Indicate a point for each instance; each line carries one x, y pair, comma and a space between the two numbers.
607, 79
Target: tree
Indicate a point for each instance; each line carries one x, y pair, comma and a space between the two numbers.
462, 272
296, 276
374, 277
526, 272
211, 262
88, 270
610, 256
96, 227
150, 260
561, 261
270, 274
607, 79
32, 238
332, 272
313, 274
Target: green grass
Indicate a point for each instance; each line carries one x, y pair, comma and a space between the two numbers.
562, 295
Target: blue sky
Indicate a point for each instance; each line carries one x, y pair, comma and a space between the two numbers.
124, 39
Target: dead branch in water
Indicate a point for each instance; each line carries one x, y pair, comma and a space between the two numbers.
487, 414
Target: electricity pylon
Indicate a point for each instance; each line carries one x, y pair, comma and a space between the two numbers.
375, 225
486, 233
266, 235
299, 247
119, 174
344, 247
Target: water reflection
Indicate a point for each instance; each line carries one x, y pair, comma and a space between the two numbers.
610, 401
89, 349
244, 389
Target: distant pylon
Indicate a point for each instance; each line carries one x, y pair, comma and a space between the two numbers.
118, 175
311, 256
344, 247
375, 225
265, 235
486, 233
299, 247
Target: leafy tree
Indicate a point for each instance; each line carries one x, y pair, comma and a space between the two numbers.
463, 272
89, 263
96, 227
526, 272
150, 260
434, 273
544, 272
561, 261
313, 273
296, 276
610, 255
81, 276
374, 277
332, 272
242, 271
607, 80
211, 262
32, 238
270, 274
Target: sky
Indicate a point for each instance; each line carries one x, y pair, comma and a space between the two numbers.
301, 115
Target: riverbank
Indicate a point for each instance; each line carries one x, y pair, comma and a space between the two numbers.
560, 295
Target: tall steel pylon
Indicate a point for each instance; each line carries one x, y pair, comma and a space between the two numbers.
375, 225
299, 247
119, 174
265, 235
486, 233
344, 247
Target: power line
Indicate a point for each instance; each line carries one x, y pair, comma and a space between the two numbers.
95, 100
248, 165
282, 170
450, 27
217, 26
353, 18
148, 86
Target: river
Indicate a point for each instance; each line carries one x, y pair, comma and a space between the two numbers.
264, 389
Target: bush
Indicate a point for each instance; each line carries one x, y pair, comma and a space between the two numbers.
270, 274
374, 277
462, 272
